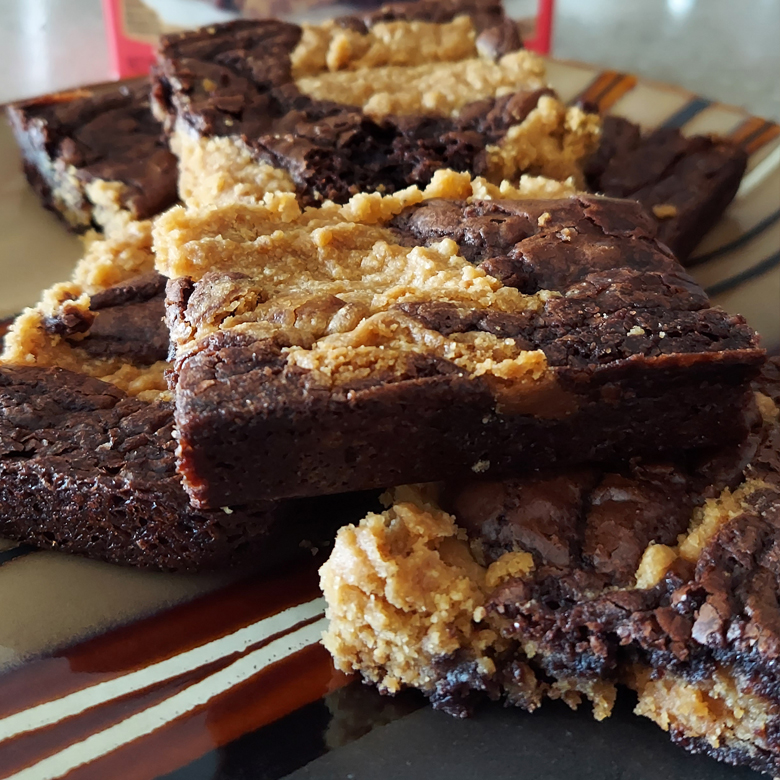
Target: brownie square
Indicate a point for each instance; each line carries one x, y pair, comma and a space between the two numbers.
660, 576
686, 183
91, 155
404, 339
367, 103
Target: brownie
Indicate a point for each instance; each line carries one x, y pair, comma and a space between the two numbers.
373, 102
452, 338
106, 322
662, 576
91, 154
685, 182
87, 468
124, 321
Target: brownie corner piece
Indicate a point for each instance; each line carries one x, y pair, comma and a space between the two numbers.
92, 154
368, 103
567, 583
686, 183
454, 337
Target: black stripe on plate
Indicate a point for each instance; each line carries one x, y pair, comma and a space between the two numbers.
15, 552
280, 748
755, 134
767, 264
687, 112
582, 96
608, 88
741, 240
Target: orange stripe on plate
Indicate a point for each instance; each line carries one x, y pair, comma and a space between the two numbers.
755, 142
597, 88
606, 89
620, 88
747, 129
273, 693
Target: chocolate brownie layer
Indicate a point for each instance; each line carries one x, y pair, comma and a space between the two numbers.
91, 156
375, 344
362, 104
660, 576
88, 466
86, 469
107, 322
686, 182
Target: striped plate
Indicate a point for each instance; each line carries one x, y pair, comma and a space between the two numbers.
206, 677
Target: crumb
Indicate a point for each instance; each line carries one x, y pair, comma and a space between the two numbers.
665, 211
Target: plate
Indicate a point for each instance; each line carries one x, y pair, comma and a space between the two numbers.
113, 673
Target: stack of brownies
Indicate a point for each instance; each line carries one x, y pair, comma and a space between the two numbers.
393, 266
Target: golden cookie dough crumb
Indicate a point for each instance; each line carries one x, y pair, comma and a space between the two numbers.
656, 560
527, 187
767, 408
329, 47
437, 88
600, 693
665, 211
719, 709
511, 565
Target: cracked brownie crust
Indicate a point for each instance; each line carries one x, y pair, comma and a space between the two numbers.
401, 339
659, 576
362, 104
93, 156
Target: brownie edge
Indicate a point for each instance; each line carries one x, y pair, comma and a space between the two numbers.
91, 154
86, 469
630, 358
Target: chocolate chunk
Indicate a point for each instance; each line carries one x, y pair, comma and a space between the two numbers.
500, 39
540, 514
